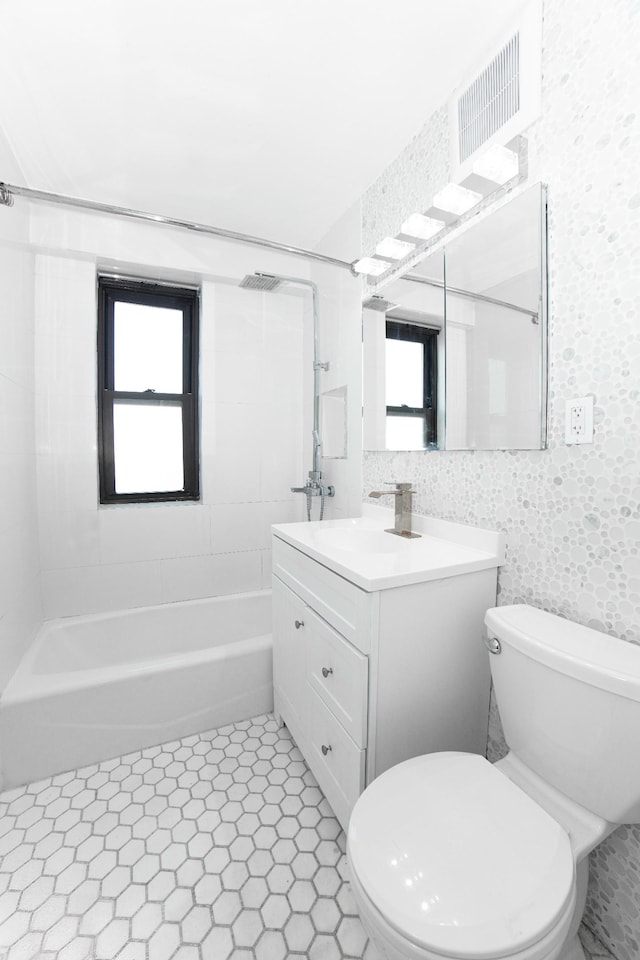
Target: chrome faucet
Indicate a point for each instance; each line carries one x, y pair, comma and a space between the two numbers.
315, 487
404, 496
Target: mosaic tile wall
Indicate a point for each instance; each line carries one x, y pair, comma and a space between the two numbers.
571, 514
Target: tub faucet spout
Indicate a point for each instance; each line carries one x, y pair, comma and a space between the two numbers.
404, 497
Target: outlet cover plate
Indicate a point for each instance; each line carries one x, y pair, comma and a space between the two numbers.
579, 420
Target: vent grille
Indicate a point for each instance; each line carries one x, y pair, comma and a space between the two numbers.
490, 101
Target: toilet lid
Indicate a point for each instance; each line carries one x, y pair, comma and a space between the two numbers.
459, 859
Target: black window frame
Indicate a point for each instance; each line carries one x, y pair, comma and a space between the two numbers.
428, 412
110, 291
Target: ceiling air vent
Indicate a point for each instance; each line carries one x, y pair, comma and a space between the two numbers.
502, 98
490, 101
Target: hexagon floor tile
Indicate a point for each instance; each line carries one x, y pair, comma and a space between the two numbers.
216, 846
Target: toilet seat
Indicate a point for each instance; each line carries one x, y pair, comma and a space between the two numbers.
393, 946
460, 862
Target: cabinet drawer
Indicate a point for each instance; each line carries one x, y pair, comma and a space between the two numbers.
343, 605
339, 675
339, 767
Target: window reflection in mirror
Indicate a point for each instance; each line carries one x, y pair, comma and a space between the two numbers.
403, 352
490, 352
411, 384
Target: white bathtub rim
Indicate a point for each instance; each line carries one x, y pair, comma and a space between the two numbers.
61, 683
25, 685
123, 612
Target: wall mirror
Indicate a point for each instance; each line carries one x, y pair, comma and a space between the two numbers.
454, 352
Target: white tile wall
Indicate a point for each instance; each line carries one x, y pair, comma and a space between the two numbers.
195, 577
231, 462
237, 526
280, 459
72, 591
153, 532
341, 345
69, 538
20, 606
98, 558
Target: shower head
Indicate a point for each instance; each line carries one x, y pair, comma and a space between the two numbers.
378, 303
260, 281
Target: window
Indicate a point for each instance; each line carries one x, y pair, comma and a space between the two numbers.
147, 392
411, 385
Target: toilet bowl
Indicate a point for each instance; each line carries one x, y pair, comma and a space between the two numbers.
453, 857
464, 864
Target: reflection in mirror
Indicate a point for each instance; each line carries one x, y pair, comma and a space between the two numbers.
403, 360
494, 336
495, 331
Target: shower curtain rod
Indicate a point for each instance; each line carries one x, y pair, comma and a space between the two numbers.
471, 296
9, 190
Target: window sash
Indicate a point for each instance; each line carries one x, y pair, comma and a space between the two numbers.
185, 300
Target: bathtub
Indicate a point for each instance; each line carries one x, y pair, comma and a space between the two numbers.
96, 687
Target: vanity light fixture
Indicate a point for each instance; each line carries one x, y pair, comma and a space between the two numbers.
370, 266
394, 249
417, 225
502, 167
456, 199
498, 164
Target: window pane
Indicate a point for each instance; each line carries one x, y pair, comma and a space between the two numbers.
147, 445
405, 368
147, 346
405, 433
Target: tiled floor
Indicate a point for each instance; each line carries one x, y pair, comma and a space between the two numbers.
217, 846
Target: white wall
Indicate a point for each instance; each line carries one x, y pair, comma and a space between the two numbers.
340, 343
252, 388
20, 611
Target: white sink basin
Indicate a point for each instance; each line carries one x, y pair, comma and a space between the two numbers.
359, 540
361, 550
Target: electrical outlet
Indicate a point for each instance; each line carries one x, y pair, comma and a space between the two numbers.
579, 420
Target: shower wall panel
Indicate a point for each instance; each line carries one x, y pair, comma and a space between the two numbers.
98, 558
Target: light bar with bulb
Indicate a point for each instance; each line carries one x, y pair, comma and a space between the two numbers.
417, 225
498, 164
370, 266
456, 199
394, 249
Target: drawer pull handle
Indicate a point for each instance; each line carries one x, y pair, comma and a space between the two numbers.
325, 750
299, 623
326, 671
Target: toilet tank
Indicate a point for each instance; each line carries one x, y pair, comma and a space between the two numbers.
569, 700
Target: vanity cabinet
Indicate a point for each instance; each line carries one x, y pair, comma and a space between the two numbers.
365, 679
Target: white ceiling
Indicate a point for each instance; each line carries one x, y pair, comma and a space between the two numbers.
269, 117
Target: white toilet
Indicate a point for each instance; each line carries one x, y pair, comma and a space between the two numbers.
451, 856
